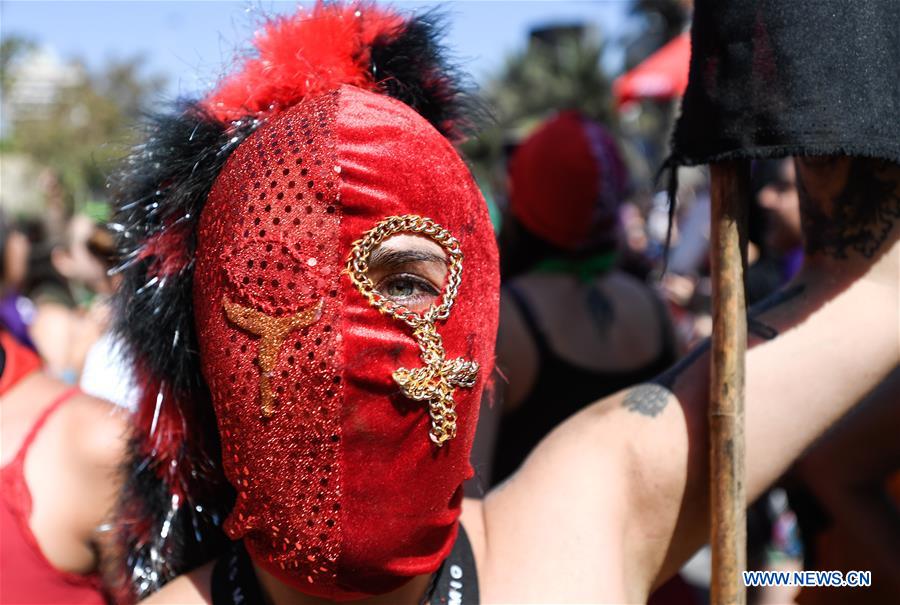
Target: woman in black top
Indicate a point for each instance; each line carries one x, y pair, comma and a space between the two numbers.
573, 326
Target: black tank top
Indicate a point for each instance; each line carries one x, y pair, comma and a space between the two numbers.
561, 389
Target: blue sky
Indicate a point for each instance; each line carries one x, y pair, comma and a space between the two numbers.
191, 42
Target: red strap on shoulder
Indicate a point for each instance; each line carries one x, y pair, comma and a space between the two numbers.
42, 419
20, 361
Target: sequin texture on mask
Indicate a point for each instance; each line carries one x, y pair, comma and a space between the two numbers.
262, 255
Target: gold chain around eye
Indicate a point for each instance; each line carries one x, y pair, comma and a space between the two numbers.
434, 383
358, 266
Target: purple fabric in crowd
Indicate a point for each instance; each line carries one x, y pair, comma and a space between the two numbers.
791, 263
11, 318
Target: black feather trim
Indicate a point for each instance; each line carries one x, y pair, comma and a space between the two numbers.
413, 67
163, 189
175, 494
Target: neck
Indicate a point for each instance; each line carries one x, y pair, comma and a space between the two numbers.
279, 593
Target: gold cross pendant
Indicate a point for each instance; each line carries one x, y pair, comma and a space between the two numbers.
436, 382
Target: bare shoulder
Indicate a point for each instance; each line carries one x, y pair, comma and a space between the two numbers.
472, 519
98, 430
88, 430
561, 516
92, 439
189, 589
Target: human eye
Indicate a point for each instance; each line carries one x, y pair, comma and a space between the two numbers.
412, 291
408, 270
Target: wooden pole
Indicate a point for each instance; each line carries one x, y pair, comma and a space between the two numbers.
730, 189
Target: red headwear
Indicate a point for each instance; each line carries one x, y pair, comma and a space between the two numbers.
566, 182
345, 420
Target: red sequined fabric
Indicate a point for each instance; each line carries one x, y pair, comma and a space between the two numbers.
261, 246
341, 492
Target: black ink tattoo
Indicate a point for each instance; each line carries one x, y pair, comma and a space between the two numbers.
859, 217
651, 398
600, 308
648, 399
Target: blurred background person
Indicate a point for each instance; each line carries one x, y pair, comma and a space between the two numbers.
16, 311
685, 282
569, 315
106, 372
68, 285
60, 455
52, 323
776, 251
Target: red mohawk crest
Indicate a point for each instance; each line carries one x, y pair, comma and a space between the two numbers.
305, 54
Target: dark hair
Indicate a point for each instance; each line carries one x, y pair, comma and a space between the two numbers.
520, 249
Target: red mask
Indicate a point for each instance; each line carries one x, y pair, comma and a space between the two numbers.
569, 158
346, 420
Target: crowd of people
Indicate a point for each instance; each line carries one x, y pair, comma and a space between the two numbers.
298, 363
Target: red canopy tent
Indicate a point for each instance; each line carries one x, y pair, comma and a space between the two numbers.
662, 75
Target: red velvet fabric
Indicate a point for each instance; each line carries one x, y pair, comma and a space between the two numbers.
566, 182
341, 492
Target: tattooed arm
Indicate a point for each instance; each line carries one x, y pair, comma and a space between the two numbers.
629, 476
831, 336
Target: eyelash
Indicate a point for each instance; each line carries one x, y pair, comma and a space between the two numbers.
426, 288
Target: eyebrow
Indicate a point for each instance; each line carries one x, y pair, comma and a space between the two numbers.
385, 258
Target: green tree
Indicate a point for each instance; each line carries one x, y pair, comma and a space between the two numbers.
559, 69
556, 71
662, 21
87, 126
12, 48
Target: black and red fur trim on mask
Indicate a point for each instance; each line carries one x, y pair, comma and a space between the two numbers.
175, 495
